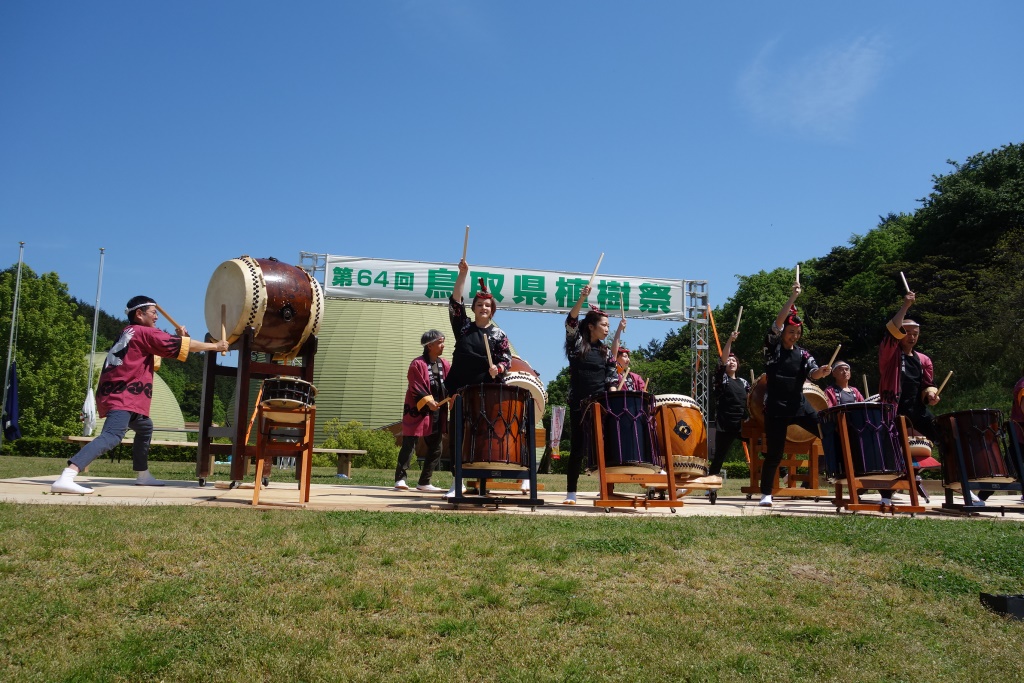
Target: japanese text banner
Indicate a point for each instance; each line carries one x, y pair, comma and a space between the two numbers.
517, 289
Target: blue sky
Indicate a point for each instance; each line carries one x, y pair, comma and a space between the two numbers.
684, 140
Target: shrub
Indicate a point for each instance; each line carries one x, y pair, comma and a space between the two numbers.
380, 447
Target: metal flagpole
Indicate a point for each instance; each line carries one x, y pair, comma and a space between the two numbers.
10, 342
89, 409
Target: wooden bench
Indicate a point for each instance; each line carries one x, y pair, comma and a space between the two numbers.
344, 458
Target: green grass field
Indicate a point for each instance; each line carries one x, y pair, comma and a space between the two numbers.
183, 594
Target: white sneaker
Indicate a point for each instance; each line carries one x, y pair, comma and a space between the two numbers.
896, 497
429, 488
886, 502
976, 501
570, 499
451, 492
525, 486
400, 485
144, 478
65, 483
766, 500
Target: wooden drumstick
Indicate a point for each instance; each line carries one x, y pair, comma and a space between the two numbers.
753, 380
223, 325
622, 306
595, 269
167, 315
866, 392
943, 385
905, 285
833, 359
625, 376
738, 319
798, 273
465, 244
487, 350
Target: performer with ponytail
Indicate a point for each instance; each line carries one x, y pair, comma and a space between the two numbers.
591, 370
788, 366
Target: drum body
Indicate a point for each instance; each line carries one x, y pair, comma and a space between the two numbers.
755, 400
980, 439
688, 434
281, 302
873, 435
287, 393
495, 430
920, 447
627, 421
530, 382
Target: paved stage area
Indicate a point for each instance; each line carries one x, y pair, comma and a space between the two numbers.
110, 491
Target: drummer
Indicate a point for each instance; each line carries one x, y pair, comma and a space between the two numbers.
788, 366
469, 359
907, 377
839, 392
730, 404
126, 389
421, 415
633, 381
1017, 414
591, 371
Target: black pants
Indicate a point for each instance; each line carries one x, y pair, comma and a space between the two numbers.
775, 440
577, 446
724, 439
433, 442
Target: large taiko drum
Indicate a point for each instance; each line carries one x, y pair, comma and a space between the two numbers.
755, 399
282, 303
978, 436
873, 437
684, 420
627, 423
495, 428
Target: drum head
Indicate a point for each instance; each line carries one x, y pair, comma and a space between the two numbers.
528, 381
237, 288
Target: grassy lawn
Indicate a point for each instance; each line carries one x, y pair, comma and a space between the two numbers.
182, 594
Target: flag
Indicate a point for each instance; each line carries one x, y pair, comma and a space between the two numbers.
11, 429
89, 414
557, 420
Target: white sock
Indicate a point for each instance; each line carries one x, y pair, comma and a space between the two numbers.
69, 473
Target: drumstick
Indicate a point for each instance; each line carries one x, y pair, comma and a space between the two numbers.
753, 380
595, 269
622, 382
622, 306
833, 359
866, 392
905, 285
465, 244
171, 320
487, 350
738, 319
223, 325
440, 404
943, 385
798, 273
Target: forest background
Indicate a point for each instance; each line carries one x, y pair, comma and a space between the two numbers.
960, 251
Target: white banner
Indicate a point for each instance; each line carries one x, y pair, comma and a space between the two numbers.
517, 289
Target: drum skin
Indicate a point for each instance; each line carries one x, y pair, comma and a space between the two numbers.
495, 429
281, 302
287, 392
687, 433
530, 382
980, 436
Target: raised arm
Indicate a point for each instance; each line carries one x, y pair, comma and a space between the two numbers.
728, 347
584, 293
908, 301
618, 335
780, 319
460, 281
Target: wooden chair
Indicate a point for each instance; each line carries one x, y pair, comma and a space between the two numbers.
298, 445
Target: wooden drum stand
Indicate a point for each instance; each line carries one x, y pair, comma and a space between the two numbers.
796, 454
239, 449
894, 482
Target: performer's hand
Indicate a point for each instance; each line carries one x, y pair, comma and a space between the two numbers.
734, 336
796, 290
182, 332
222, 345
932, 397
909, 298
826, 370
494, 370
432, 403
463, 267
622, 325
585, 292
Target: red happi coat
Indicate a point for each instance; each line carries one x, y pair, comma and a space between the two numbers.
889, 366
416, 422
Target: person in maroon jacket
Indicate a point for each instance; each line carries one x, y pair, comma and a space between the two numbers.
126, 392
421, 414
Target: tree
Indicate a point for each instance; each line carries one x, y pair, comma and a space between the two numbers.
51, 344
